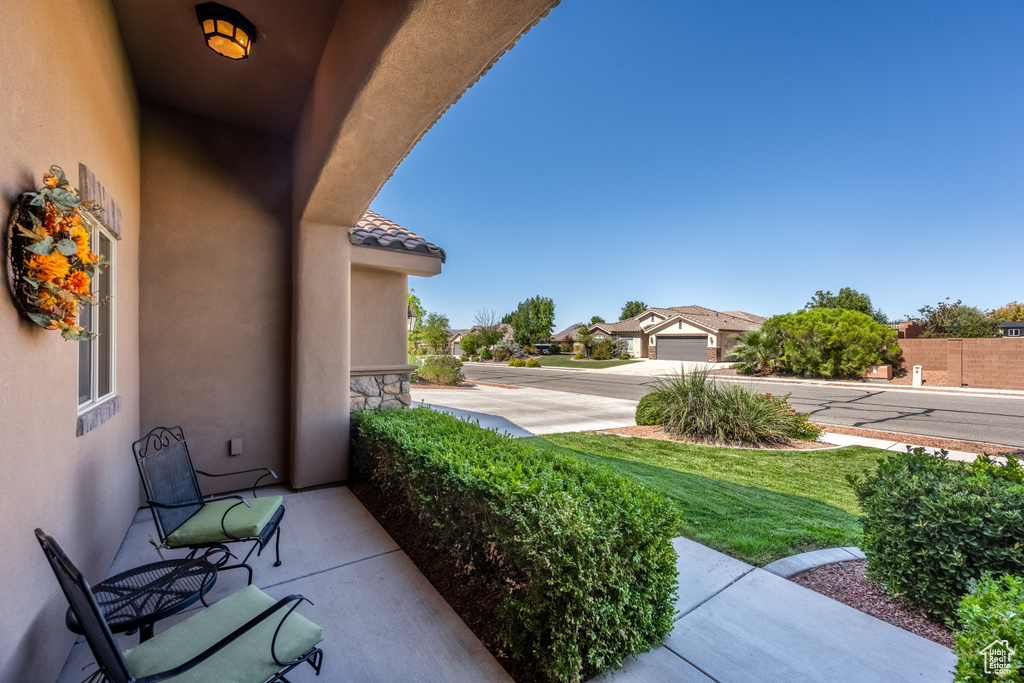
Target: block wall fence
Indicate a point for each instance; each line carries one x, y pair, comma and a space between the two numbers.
979, 363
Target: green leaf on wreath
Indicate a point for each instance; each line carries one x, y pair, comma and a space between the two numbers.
64, 199
42, 248
32, 282
40, 199
40, 319
67, 247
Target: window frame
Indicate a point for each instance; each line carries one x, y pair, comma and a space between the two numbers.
95, 228
1013, 332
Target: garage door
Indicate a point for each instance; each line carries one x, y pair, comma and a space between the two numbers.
683, 348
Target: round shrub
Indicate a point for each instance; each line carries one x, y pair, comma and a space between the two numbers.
533, 363
648, 411
516, 363
566, 348
476, 359
463, 358
578, 356
501, 354
932, 526
445, 370
623, 356
991, 612
486, 354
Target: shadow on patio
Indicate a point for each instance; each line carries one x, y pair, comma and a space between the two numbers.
382, 620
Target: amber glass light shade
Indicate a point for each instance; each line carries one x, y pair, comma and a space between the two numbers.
227, 32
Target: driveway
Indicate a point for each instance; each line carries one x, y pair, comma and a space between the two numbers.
530, 412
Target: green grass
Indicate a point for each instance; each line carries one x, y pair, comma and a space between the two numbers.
757, 506
566, 361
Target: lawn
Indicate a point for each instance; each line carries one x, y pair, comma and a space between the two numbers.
757, 506
564, 361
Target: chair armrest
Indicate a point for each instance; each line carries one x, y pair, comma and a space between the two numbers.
267, 472
232, 637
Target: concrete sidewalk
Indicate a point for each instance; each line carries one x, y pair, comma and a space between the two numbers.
739, 624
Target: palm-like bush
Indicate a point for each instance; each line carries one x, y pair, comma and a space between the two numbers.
757, 351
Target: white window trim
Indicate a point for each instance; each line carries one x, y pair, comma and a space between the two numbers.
1013, 332
94, 227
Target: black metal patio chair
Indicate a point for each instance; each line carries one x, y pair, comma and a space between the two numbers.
184, 519
247, 636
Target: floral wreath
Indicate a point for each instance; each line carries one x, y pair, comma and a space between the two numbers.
52, 265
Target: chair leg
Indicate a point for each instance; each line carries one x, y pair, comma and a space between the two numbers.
277, 547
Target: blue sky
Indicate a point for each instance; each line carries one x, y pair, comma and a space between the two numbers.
734, 155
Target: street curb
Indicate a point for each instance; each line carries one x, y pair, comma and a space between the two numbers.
794, 564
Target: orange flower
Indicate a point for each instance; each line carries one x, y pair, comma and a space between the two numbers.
48, 267
50, 180
78, 281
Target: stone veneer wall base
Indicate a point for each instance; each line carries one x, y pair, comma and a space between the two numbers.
379, 391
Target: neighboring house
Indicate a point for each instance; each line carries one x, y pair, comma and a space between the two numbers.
453, 341
253, 296
566, 336
1012, 329
691, 333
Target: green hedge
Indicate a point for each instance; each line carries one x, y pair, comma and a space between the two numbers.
580, 555
932, 526
993, 611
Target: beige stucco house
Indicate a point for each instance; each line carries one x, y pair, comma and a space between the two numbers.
692, 333
244, 301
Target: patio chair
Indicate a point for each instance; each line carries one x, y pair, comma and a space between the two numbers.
246, 636
184, 519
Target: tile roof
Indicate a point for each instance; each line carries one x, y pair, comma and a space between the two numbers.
568, 333
373, 230
706, 317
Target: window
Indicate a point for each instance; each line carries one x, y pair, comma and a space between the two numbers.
1013, 332
96, 366
629, 343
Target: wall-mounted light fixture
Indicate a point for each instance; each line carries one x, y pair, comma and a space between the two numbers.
227, 32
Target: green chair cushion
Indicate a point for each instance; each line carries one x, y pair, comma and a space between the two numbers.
242, 522
247, 659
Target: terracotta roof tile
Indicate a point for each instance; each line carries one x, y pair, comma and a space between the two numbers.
373, 230
707, 317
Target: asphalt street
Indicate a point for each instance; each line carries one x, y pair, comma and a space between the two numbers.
986, 419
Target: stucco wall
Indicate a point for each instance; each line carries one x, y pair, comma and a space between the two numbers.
379, 318
216, 290
676, 327
67, 99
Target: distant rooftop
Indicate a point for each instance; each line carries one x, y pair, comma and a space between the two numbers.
373, 230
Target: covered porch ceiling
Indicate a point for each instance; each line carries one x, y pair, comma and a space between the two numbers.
354, 84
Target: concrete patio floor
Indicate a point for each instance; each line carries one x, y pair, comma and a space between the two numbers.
382, 620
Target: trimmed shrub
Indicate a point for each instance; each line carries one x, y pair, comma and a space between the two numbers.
476, 359
648, 410
832, 342
566, 348
623, 356
485, 354
516, 363
699, 408
501, 354
533, 363
464, 358
603, 350
579, 558
993, 611
932, 526
578, 356
445, 370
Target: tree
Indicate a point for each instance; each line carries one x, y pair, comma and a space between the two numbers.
848, 299
585, 338
435, 331
1011, 312
470, 342
825, 342
595, 319
416, 306
757, 351
487, 321
632, 309
945, 320
532, 321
